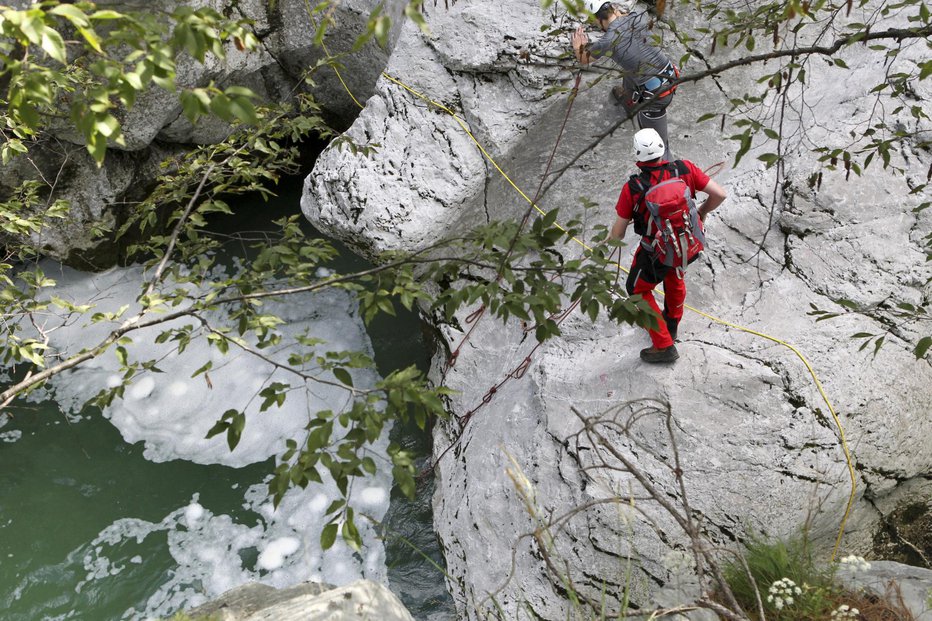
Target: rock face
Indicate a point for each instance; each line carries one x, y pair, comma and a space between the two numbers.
361, 600
903, 584
155, 125
757, 444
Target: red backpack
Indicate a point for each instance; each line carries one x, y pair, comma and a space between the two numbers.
670, 227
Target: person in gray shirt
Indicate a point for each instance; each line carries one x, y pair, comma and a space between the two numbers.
648, 75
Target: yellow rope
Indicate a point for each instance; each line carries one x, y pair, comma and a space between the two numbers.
336, 70
330, 58
815, 378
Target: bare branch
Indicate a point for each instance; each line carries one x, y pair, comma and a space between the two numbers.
895, 34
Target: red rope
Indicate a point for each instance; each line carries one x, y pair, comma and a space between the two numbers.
478, 314
473, 318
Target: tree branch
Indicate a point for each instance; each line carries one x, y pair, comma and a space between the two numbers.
896, 34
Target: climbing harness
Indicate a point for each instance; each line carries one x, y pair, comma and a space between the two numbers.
522, 368
650, 90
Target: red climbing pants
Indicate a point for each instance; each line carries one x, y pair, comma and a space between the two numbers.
644, 277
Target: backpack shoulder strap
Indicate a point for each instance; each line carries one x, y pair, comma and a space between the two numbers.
680, 169
639, 184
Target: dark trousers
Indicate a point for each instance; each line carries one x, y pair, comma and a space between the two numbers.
652, 114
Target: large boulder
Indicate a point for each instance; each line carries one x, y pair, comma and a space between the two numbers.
428, 177
758, 445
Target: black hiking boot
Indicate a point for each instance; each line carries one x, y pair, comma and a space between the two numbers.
620, 95
672, 325
660, 356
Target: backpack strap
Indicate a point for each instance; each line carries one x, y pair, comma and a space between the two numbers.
638, 186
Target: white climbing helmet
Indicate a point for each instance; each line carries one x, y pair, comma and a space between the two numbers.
595, 5
648, 145
624, 6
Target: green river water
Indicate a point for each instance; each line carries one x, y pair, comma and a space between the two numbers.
62, 483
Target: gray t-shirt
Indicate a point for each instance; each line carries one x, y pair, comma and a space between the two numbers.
627, 40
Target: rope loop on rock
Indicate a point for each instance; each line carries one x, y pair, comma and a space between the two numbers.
519, 372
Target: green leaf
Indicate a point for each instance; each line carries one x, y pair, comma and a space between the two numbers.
239, 91
220, 105
335, 506
73, 14
54, 45
922, 348
203, 369
351, 534
31, 27
328, 536
97, 147
219, 427
926, 70
107, 126
134, 80
343, 375
92, 39
235, 430
414, 14
243, 110
745, 142
107, 15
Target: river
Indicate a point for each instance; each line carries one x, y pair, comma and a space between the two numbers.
95, 527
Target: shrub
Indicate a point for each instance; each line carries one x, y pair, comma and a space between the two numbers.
784, 575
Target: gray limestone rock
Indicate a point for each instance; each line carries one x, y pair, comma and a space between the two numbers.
758, 446
99, 196
428, 177
362, 600
909, 586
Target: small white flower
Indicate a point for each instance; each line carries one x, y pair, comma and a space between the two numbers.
845, 613
781, 593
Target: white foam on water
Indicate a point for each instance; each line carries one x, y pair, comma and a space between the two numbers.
215, 553
11, 436
171, 413
192, 513
276, 551
373, 496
